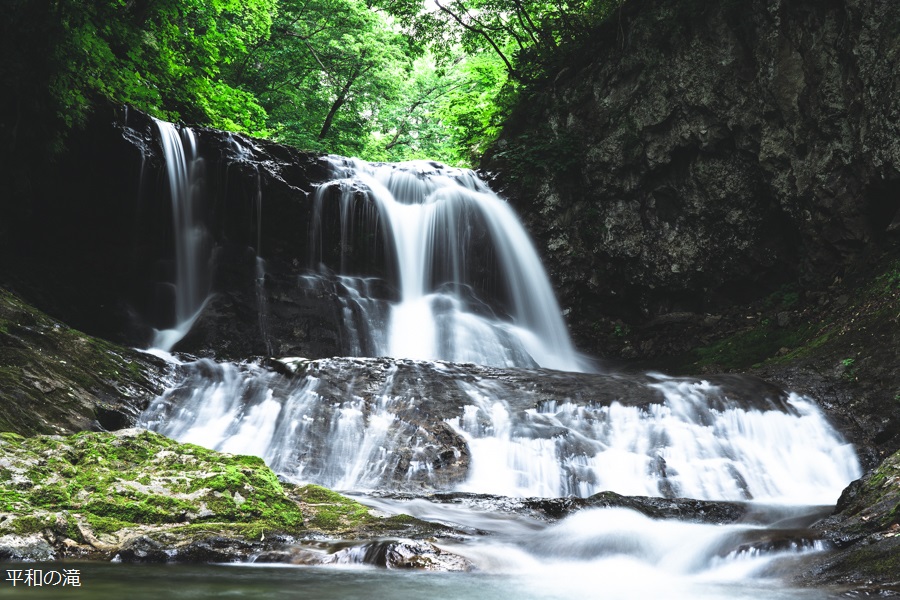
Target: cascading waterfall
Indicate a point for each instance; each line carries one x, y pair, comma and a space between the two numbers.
680, 448
694, 443
458, 251
351, 424
192, 244
428, 264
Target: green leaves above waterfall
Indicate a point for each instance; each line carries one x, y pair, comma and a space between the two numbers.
381, 79
166, 56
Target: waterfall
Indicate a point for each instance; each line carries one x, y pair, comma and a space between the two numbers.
192, 244
469, 284
433, 270
384, 425
679, 448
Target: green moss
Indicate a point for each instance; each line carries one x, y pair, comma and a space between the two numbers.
754, 346
25, 524
141, 478
50, 496
147, 484
329, 511
104, 525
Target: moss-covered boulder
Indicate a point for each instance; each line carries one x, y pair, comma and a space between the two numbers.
865, 534
135, 495
56, 380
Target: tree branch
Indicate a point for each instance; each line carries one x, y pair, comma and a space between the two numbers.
482, 33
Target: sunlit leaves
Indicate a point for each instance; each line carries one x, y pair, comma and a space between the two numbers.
328, 68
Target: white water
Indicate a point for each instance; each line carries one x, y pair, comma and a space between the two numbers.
436, 222
192, 244
712, 448
681, 447
732, 454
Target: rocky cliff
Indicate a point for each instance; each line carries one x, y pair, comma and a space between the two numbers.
695, 156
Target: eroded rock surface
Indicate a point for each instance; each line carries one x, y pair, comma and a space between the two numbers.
864, 533
54, 379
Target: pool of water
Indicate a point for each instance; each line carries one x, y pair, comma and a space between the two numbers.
101, 581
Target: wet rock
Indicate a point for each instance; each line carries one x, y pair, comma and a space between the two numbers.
135, 496
400, 554
32, 548
54, 379
420, 406
554, 509
864, 533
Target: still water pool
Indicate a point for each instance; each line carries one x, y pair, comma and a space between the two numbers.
102, 581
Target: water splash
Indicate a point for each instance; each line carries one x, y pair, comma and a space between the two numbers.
347, 438
682, 447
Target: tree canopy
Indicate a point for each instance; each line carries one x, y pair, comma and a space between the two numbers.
380, 79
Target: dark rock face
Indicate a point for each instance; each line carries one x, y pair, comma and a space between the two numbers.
57, 380
701, 154
96, 249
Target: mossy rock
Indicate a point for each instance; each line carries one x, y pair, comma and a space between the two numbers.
137, 495
864, 534
333, 514
871, 505
135, 477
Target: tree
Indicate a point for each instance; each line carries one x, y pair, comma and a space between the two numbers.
325, 72
163, 56
443, 112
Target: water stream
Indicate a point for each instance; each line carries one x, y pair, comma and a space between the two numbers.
470, 285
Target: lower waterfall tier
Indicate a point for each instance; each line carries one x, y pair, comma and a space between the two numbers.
384, 424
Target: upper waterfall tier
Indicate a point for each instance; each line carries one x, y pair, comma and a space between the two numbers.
411, 260
469, 284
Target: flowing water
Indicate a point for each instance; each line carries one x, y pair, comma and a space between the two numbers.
273, 582
192, 243
471, 287
430, 265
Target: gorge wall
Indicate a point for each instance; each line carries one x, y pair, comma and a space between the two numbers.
695, 156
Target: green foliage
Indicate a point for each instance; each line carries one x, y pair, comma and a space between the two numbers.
448, 113
531, 156
163, 56
849, 373
753, 346
325, 72
889, 281
382, 79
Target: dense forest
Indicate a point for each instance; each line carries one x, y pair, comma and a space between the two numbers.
378, 79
